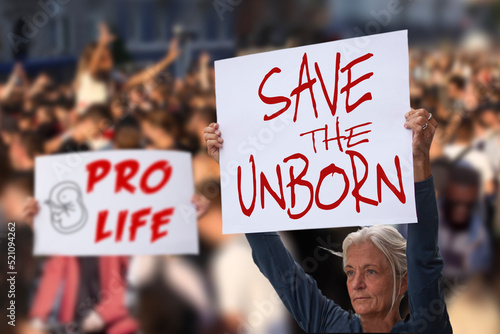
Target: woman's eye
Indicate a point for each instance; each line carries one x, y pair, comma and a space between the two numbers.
350, 273
371, 272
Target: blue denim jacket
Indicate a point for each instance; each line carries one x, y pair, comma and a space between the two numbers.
317, 314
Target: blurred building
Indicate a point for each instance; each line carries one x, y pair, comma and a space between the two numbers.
53, 33
426, 18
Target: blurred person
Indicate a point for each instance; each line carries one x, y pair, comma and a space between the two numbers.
138, 99
189, 88
475, 310
160, 94
462, 147
16, 188
199, 86
147, 75
198, 120
46, 122
416, 93
127, 135
160, 130
36, 89
174, 104
13, 193
165, 131
82, 302
118, 107
9, 128
204, 167
67, 95
378, 261
168, 294
63, 113
441, 167
496, 221
480, 129
49, 94
463, 237
93, 123
240, 289
26, 121
489, 141
5, 165
204, 73
13, 105
25, 147
17, 83
456, 91
139, 86
94, 71
92, 298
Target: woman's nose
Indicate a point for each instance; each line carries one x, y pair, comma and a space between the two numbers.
358, 281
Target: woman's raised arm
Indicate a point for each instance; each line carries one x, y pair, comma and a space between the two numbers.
425, 282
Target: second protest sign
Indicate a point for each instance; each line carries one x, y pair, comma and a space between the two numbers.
115, 203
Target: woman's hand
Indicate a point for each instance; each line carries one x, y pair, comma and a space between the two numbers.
214, 140
423, 127
30, 210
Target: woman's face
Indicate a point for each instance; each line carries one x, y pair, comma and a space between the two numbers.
369, 280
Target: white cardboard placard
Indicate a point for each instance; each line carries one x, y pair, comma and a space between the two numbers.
125, 202
270, 107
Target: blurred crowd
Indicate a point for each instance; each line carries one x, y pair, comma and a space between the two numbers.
461, 88
103, 109
221, 290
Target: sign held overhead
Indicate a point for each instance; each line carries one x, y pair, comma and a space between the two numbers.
314, 136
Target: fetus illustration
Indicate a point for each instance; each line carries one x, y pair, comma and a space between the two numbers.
68, 213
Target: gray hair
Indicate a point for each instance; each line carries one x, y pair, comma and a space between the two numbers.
388, 240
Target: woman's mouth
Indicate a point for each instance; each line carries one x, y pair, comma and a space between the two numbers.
361, 298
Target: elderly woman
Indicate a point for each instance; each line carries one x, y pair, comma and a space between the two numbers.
381, 266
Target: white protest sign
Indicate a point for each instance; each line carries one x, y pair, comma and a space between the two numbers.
314, 136
125, 202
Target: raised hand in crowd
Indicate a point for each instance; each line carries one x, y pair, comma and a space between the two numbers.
151, 72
